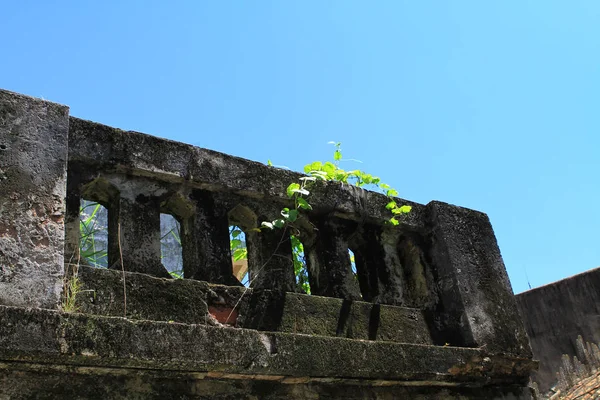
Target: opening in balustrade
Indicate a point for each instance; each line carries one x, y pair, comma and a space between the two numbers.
239, 254
300, 266
93, 234
170, 245
354, 270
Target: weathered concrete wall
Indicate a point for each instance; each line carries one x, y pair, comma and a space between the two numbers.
26, 381
33, 158
429, 313
441, 257
555, 314
119, 347
31, 381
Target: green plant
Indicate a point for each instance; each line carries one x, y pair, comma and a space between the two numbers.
237, 244
72, 287
331, 171
298, 192
299, 262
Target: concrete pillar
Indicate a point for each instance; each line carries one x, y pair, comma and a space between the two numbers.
139, 227
478, 308
330, 270
205, 242
33, 173
270, 260
378, 265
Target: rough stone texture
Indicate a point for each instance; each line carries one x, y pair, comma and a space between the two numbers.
79, 339
139, 227
206, 242
328, 261
20, 381
476, 300
441, 261
106, 148
554, 315
33, 156
178, 300
270, 255
315, 315
197, 302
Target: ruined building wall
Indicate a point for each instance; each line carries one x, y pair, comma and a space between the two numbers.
555, 314
428, 314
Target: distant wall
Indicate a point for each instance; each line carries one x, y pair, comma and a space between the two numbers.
555, 314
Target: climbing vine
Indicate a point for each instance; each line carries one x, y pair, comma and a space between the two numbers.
299, 192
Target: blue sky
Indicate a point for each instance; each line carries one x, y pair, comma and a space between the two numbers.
487, 105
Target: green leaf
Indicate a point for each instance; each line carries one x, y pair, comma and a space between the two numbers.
405, 209
384, 186
279, 223
329, 168
315, 166
392, 193
235, 243
340, 176
393, 221
337, 155
293, 215
304, 204
295, 241
269, 163
235, 233
291, 189
240, 254
391, 205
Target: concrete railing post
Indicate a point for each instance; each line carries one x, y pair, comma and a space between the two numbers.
479, 309
33, 173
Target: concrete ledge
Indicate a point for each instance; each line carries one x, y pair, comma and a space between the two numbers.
21, 380
45, 336
197, 302
327, 316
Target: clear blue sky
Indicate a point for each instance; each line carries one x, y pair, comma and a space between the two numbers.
491, 105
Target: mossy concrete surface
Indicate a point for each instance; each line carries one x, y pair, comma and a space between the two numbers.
326, 316
44, 381
71, 350
78, 339
429, 313
198, 302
